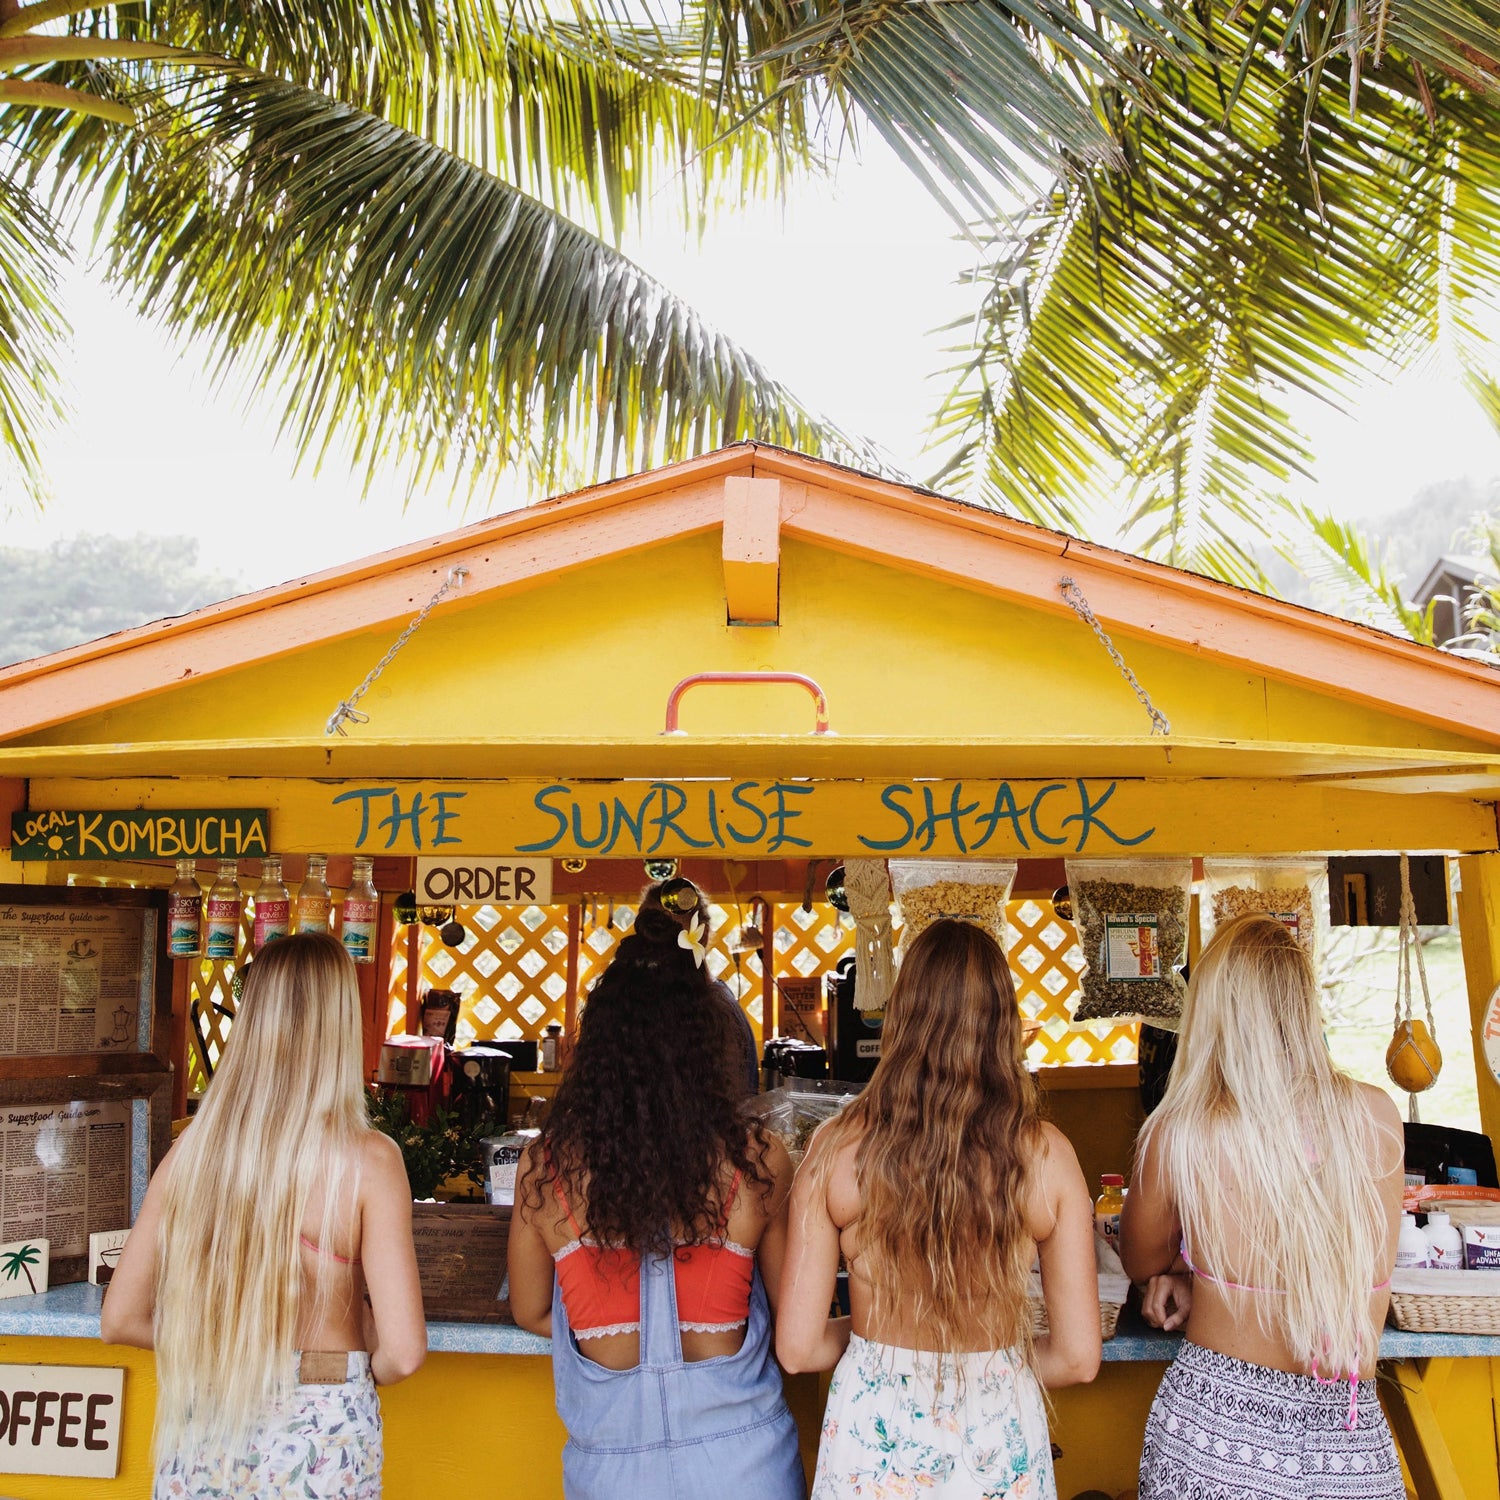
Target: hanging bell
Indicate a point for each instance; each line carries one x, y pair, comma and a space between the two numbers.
404, 908
660, 869
1413, 1059
838, 897
453, 934
574, 865
435, 916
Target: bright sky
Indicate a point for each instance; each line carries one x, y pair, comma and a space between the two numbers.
840, 293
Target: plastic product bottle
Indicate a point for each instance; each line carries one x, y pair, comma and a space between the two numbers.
361, 913
1107, 1209
1411, 1249
273, 903
1445, 1245
313, 901
185, 912
552, 1048
226, 905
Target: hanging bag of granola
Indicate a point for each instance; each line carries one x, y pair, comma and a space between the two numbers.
1132, 919
1293, 890
971, 890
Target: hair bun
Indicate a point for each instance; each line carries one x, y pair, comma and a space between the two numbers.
654, 926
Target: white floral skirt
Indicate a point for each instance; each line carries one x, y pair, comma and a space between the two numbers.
888, 1434
327, 1446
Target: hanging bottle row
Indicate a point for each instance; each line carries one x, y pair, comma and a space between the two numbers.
208, 926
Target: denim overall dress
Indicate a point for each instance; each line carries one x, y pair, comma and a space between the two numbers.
671, 1429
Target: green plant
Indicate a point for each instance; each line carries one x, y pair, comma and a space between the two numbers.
434, 1152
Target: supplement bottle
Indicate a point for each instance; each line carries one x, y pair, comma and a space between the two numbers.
273, 903
1411, 1248
1445, 1245
185, 912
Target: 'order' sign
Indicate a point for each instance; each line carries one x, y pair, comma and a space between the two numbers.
472, 879
61, 1419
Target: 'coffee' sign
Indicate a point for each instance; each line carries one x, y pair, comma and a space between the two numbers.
476, 879
217, 833
61, 1419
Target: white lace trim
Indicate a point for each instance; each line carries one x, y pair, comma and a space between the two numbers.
605, 1330
567, 1249
735, 1248
712, 1327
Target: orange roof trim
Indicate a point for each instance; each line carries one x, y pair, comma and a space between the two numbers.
900, 526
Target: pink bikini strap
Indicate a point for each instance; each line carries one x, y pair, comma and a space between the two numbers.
317, 1249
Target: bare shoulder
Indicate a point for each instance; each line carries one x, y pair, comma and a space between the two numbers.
1056, 1160
380, 1160
1381, 1107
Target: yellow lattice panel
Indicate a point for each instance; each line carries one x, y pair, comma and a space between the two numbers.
1045, 961
809, 941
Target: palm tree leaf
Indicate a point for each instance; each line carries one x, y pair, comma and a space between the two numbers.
419, 312
33, 335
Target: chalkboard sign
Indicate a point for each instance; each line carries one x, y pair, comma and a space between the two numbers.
461, 1261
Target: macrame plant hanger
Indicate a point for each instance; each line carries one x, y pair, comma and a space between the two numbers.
867, 886
1413, 1059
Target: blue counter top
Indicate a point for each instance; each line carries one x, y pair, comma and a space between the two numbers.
72, 1312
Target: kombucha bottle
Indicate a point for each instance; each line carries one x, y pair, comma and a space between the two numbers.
226, 905
185, 912
273, 903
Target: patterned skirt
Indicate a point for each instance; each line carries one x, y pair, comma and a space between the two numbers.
890, 1433
327, 1446
1223, 1429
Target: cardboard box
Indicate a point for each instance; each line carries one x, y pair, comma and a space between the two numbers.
1482, 1247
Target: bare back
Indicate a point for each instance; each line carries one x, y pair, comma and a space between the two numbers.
1055, 1193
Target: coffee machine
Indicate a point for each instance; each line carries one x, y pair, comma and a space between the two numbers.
855, 1036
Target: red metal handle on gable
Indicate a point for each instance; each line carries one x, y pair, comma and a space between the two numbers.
820, 701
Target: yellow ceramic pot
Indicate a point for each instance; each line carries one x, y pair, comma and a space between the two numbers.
1413, 1059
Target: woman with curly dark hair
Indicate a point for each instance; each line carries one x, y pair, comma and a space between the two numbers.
650, 1218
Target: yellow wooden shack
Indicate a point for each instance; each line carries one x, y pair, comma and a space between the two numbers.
760, 663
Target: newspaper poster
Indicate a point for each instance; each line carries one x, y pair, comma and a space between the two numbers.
64, 1172
72, 978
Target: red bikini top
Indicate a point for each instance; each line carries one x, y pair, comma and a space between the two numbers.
601, 1287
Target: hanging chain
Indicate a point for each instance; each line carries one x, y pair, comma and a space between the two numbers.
346, 712
1160, 724
1410, 942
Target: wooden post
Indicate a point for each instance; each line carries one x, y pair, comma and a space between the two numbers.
570, 995
182, 994
378, 1003
770, 998
1479, 928
414, 935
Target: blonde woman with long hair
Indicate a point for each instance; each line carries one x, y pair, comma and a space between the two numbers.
272, 1267
939, 1185
1275, 1180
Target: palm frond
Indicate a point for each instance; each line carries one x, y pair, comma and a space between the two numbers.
1337, 559
1140, 331
33, 334
419, 313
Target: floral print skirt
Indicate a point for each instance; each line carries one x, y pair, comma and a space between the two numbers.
889, 1433
327, 1446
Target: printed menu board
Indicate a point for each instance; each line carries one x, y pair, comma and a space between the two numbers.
75, 978
66, 1172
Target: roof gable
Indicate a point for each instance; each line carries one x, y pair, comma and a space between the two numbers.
750, 524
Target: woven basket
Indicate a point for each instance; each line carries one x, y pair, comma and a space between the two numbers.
1112, 1293
1446, 1301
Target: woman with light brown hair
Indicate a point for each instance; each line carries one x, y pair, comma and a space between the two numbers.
939, 1185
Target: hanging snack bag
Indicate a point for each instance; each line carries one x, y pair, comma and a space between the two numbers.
1293, 890
1132, 918
971, 890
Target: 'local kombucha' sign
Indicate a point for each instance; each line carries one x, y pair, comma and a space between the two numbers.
219, 833
61, 1419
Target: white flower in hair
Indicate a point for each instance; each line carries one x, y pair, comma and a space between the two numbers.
691, 937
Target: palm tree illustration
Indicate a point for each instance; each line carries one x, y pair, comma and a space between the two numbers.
13, 1264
